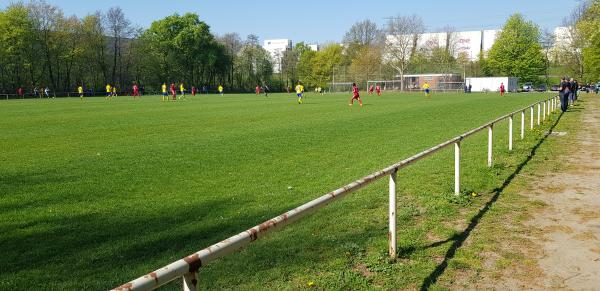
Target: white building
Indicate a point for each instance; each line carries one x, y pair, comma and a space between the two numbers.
314, 47
468, 43
276, 47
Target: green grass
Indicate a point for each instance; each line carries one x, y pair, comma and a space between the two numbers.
96, 193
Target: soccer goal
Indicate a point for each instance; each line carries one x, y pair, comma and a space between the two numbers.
386, 85
340, 87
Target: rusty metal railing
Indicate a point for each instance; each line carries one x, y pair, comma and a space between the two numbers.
188, 267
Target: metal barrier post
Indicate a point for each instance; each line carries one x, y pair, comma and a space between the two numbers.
190, 282
457, 168
510, 133
392, 212
544, 111
539, 112
490, 144
531, 121
523, 124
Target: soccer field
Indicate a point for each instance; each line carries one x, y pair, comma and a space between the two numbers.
95, 193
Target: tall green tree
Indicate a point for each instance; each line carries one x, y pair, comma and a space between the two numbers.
517, 51
589, 26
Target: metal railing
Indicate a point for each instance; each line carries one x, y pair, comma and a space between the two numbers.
188, 267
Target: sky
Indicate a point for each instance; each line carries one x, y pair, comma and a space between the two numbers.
322, 21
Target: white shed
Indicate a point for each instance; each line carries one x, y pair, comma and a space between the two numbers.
492, 84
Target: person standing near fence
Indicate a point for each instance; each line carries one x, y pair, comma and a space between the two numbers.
378, 89
564, 94
502, 89
20, 92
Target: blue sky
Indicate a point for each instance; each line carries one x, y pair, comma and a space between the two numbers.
325, 20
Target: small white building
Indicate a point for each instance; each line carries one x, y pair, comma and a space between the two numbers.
492, 84
314, 47
276, 48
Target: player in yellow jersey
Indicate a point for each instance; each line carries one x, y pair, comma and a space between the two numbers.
108, 92
114, 91
80, 91
220, 88
426, 89
165, 95
182, 90
299, 91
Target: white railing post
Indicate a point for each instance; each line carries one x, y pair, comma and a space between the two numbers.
457, 168
544, 111
531, 121
190, 282
523, 124
490, 144
510, 133
392, 212
539, 112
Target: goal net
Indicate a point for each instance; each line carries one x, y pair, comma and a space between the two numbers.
340, 87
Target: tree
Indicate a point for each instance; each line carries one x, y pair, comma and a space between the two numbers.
589, 25
517, 51
401, 43
366, 64
119, 28
16, 43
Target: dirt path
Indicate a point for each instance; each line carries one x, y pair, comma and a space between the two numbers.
570, 237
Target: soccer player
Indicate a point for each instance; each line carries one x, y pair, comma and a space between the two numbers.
355, 95
257, 90
371, 89
182, 90
114, 91
378, 89
194, 90
220, 88
21, 92
502, 89
426, 89
80, 91
165, 95
136, 91
108, 92
173, 92
299, 91
47, 92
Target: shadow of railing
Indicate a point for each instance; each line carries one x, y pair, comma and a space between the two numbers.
460, 238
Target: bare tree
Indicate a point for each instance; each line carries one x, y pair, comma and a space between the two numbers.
45, 18
233, 44
119, 28
401, 43
364, 33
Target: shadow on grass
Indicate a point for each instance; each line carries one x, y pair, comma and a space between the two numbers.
460, 238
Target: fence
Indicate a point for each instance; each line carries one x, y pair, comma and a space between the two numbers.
188, 267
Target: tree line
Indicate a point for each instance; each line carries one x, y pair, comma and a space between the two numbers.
40, 46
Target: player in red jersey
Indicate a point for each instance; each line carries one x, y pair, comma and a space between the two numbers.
136, 91
378, 89
257, 90
355, 95
194, 90
502, 89
173, 91
371, 90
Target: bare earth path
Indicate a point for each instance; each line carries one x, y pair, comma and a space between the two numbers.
570, 224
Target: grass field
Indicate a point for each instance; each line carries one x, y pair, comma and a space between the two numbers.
96, 193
